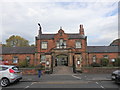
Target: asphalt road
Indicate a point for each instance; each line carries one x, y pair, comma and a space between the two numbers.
102, 81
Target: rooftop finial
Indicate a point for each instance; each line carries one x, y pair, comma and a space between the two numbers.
61, 27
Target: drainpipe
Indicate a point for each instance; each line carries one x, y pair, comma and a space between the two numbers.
88, 60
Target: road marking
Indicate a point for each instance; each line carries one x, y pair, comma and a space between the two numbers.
60, 74
76, 77
33, 83
97, 83
101, 86
64, 82
27, 86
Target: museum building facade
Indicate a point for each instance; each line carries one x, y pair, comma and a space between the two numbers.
60, 49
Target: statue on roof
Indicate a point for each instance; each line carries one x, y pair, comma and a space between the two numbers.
40, 28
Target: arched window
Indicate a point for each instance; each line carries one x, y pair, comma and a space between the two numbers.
61, 44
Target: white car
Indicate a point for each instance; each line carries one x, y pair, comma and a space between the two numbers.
9, 74
114, 74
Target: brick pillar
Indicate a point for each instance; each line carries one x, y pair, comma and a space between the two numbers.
70, 59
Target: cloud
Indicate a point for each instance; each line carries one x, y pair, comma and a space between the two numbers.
60, 0
99, 19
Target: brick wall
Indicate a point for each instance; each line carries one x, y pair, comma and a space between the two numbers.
29, 71
21, 57
100, 55
94, 70
98, 70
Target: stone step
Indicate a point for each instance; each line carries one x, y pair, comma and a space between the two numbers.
62, 70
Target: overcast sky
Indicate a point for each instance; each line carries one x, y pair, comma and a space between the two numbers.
100, 19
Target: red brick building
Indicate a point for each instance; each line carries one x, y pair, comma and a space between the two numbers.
95, 53
15, 55
60, 49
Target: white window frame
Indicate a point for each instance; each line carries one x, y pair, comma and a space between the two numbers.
94, 58
105, 56
1, 58
65, 44
28, 59
44, 45
60, 42
15, 59
58, 45
78, 45
43, 58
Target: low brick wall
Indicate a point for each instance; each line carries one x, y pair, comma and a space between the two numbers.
31, 71
99, 69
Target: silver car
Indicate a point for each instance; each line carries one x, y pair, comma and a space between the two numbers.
9, 74
114, 74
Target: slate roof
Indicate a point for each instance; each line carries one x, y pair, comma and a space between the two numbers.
70, 36
31, 50
101, 49
46, 36
18, 50
76, 36
0, 49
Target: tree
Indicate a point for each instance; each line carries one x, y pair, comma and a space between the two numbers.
3, 45
14, 41
32, 45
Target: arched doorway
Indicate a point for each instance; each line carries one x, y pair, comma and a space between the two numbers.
61, 60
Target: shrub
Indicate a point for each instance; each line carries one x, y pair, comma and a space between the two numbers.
104, 61
40, 67
94, 64
117, 62
31, 66
23, 63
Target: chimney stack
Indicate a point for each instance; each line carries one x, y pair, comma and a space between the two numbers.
81, 30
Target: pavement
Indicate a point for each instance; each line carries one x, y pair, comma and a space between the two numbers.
56, 77
64, 73
64, 78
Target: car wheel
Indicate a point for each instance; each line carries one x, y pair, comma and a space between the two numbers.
117, 81
113, 77
4, 82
